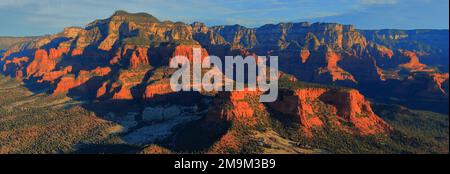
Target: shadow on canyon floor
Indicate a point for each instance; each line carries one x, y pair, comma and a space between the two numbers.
184, 131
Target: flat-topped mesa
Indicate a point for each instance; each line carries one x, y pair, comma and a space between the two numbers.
124, 16
136, 17
125, 25
321, 108
308, 109
326, 53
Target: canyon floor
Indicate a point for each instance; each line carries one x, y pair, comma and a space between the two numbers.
40, 123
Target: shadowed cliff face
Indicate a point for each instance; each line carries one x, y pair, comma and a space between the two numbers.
123, 57
318, 108
123, 61
433, 43
327, 53
323, 53
132, 45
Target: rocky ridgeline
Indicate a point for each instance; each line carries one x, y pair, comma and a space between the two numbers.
320, 52
124, 58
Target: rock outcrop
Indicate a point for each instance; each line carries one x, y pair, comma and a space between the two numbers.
125, 57
69, 81
433, 42
413, 62
319, 108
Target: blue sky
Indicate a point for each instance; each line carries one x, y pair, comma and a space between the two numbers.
38, 17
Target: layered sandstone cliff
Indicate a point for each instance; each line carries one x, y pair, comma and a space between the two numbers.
317, 108
120, 57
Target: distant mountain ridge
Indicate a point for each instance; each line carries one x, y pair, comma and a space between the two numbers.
125, 58
326, 53
8, 41
433, 42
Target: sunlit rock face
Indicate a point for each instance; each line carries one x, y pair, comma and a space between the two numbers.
325, 53
123, 58
319, 108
